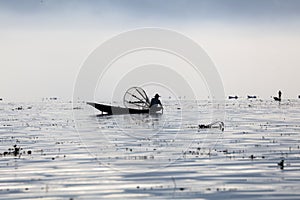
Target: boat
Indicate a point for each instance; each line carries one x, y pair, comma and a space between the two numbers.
277, 98
251, 97
135, 101
116, 110
233, 97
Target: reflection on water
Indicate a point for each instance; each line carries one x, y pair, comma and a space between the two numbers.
150, 156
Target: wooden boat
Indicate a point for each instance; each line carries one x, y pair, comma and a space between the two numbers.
135, 101
233, 97
116, 110
277, 99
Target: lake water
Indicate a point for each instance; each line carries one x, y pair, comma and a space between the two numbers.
52, 150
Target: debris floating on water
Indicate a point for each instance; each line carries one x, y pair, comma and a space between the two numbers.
281, 164
218, 124
15, 151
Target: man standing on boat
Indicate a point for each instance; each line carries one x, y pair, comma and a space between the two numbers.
155, 101
279, 94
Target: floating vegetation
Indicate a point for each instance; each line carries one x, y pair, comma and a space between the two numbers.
16, 151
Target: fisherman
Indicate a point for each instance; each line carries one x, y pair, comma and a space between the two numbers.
279, 94
155, 101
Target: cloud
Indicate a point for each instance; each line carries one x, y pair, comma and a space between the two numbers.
78, 13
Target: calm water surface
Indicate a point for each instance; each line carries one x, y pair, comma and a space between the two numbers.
150, 156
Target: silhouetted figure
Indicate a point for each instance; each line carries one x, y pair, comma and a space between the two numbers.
279, 94
155, 101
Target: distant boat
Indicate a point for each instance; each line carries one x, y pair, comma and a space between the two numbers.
298, 96
277, 99
279, 96
1, 99
251, 97
233, 97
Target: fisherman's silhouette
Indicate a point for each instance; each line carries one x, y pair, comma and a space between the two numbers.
279, 94
155, 101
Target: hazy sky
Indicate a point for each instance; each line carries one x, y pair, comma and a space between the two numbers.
255, 44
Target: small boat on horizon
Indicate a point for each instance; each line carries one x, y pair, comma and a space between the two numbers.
251, 97
277, 98
233, 97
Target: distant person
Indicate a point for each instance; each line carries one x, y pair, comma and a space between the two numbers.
155, 101
279, 94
